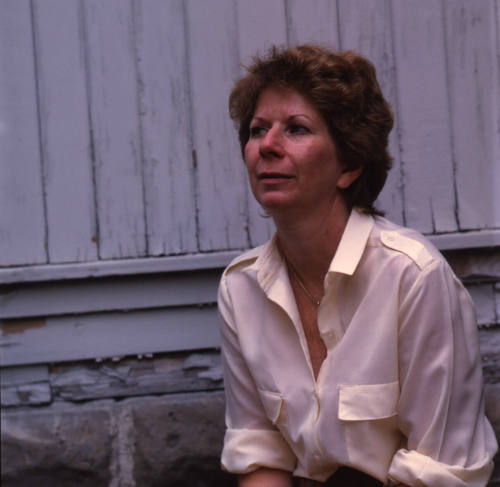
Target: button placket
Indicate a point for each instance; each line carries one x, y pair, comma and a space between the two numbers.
328, 320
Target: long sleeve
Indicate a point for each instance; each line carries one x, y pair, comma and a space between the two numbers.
441, 412
251, 440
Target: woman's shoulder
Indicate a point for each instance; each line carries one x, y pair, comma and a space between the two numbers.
245, 259
407, 242
414, 259
255, 258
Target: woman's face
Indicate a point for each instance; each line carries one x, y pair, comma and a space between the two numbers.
290, 156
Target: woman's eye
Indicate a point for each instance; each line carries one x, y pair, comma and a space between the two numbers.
298, 129
256, 130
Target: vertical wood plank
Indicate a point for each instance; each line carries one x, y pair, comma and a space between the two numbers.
165, 109
115, 125
312, 21
496, 152
365, 27
65, 131
213, 54
473, 80
424, 115
261, 24
22, 220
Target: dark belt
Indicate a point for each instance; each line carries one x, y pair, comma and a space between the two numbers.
343, 477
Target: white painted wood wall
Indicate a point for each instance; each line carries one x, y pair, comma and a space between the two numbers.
118, 158
115, 138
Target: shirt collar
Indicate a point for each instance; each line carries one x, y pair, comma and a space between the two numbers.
346, 258
353, 243
268, 263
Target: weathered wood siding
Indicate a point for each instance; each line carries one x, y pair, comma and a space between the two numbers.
23, 225
108, 317
115, 138
122, 190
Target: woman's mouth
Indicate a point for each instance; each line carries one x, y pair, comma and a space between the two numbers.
273, 176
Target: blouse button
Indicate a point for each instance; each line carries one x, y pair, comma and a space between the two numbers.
329, 338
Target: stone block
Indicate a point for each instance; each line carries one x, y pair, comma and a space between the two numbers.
26, 395
497, 301
130, 377
178, 440
489, 341
492, 406
483, 296
57, 446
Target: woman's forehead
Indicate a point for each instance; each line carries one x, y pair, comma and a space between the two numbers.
274, 99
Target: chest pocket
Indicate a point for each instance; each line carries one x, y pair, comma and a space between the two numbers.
370, 423
368, 402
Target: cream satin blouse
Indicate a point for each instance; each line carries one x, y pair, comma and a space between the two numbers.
399, 395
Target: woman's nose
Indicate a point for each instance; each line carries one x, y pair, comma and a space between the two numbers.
271, 145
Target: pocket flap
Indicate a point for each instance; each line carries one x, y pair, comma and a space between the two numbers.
273, 404
368, 401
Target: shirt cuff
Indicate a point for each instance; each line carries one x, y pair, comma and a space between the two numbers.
246, 450
413, 468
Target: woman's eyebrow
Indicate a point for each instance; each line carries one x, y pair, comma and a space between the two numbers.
258, 119
290, 117
296, 115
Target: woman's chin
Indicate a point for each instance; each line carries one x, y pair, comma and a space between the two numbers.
275, 203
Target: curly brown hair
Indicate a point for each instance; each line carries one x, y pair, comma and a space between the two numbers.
343, 87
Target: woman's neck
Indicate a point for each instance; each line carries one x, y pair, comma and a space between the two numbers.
309, 243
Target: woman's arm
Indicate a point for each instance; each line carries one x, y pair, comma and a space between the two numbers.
449, 440
266, 477
251, 440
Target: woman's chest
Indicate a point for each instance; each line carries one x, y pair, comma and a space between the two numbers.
286, 355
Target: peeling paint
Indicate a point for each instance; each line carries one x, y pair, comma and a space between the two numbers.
214, 374
11, 327
24, 396
4, 290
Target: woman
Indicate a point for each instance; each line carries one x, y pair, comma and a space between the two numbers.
350, 349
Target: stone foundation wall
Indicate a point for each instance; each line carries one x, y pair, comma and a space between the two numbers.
155, 421
168, 440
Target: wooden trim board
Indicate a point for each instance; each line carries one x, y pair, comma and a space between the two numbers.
212, 260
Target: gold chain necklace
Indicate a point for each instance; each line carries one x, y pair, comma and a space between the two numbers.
295, 274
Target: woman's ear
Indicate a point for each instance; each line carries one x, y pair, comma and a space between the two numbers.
348, 177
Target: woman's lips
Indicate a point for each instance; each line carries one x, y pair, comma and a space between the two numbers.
270, 177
